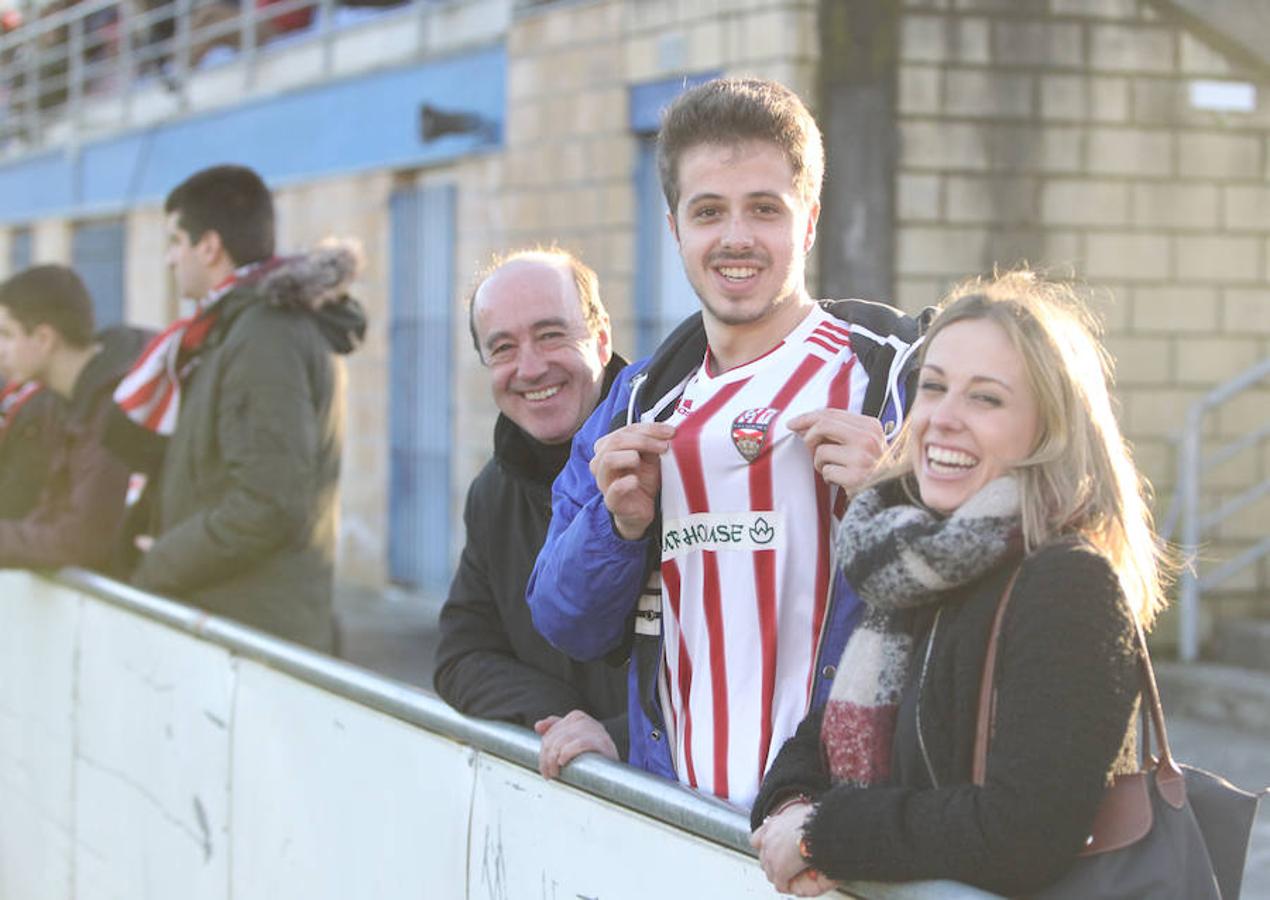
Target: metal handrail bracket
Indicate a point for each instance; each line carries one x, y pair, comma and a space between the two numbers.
1192, 464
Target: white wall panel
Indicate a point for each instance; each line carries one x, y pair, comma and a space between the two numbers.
334, 800
139, 761
37, 664
152, 762
537, 839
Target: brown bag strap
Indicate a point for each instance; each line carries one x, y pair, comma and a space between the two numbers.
1169, 779
987, 695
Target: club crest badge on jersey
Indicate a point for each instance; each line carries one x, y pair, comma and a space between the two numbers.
749, 431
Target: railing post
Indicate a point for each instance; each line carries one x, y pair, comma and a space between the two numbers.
182, 52
249, 29
126, 68
1188, 584
33, 84
326, 9
75, 71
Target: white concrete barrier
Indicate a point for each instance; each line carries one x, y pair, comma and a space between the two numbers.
150, 751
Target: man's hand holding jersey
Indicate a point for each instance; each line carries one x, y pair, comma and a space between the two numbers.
845, 446
627, 469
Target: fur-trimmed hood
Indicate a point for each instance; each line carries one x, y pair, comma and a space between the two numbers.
317, 282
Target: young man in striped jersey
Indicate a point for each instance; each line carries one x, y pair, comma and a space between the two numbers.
693, 522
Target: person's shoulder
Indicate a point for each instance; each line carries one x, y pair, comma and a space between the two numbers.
120, 347
485, 489
675, 357
44, 404
1068, 554
263, 324
877, 321
622, 381
615, 400
1068, 574
39, 419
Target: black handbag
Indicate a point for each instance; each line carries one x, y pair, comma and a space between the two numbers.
1167, 831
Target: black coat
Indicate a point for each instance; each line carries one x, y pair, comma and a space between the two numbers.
491, 661
246, 511
27, 445
81, 507
1067, 688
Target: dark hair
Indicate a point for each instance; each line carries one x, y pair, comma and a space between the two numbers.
54, 296
585, 280
231, 201
730, 111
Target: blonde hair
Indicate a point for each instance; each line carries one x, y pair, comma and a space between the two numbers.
1080, 478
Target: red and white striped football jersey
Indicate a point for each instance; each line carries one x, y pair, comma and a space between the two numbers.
746, 556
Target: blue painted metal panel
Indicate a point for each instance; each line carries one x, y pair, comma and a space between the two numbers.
97, 254
21, 249
34, 186
367, 122
647, 101
420, 425
651, 211
663, 296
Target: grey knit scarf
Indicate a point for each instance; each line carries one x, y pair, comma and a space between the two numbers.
900, 557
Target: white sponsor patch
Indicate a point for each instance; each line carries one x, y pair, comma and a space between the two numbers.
747, 531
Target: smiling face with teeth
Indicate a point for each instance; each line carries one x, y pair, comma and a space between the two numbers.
744, 231
975, 415
546, 367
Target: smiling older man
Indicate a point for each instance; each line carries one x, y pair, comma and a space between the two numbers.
543, 335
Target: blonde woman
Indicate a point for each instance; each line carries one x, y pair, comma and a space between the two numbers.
1011, 460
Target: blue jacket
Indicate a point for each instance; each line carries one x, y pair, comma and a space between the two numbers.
585, 587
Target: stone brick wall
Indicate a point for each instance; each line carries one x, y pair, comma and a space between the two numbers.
356, 208
565, 175
1053, 131
1060, 132
567, 172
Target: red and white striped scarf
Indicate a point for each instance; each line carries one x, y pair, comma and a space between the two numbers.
150, 394
15, 396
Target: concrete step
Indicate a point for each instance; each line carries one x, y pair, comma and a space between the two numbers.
1223, 695
1243, 642
389, 631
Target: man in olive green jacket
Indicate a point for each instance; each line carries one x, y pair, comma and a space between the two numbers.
245, 516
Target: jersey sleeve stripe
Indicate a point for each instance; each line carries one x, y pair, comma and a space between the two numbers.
824, 342
835, 328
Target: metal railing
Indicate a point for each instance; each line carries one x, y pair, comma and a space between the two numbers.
71, 52
1188, 515
618, 784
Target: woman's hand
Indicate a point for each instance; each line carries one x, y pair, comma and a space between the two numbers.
776, 841
810, 883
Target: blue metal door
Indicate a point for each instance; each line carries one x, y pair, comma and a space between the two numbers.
420, 332
97, 254
663, 296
